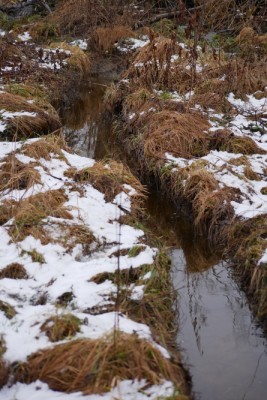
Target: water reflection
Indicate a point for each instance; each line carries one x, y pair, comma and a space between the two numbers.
86, 125
225, 350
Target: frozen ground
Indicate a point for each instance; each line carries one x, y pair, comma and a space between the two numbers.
61, 270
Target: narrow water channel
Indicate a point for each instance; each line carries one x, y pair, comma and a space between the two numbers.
221, 345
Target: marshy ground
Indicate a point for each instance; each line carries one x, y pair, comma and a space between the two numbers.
86, 289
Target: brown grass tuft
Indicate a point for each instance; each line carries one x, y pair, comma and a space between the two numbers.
41, 122
4, 373
180, 134
105, 37
14, 271
78, 60
7, 309
61, 327
43, 148
7, 210
247, 243
109, 178
32, 210
17, 175
91, 366
244, 145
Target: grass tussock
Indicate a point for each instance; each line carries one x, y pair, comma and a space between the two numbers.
61, 327
7, 210
104, 38
8, 310
37, 122
91, 366
109, 178
31, 211
78, 17
180, 134
51, 145
247, 243
4, 373
17, 175
78, 60
14, 271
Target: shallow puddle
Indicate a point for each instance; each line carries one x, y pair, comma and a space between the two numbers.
221, 345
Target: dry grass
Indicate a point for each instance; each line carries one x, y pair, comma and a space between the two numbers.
109, 178
17, 175
40, 122
46, 147
61, 327
247, 243
7, 210
91, 366
14, 271
78, 60
30, 212
104, 38
4, 373
244, 145
250, 44
7, 309
180, 134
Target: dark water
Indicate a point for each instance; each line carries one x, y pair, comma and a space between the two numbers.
221, 345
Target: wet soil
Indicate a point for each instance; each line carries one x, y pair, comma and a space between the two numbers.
221, 344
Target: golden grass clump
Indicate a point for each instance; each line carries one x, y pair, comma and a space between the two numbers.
61, 327
109, 179
43, 148
180, 134
105, 37
17, 175
40, 122
247, 244
250, 43
30, 212
83, 16
4, 373
14, 271
7, 309
7, 209
242, 144
79, 60
91, 366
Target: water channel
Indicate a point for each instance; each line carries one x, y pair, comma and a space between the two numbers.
221, 345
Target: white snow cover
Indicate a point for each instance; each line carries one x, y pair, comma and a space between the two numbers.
69, 271
25, 37
132, 44
128, 390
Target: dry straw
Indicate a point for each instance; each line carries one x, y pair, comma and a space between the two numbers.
91, 366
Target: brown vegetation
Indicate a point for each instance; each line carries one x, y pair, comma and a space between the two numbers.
61, 327
109, 178
30, 212
4, 373
40, 122
91, 366
17, 175
14, 271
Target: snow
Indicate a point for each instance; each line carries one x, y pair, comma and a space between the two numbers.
80, 43
127, 389
25, 37
132, 44
70, 271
